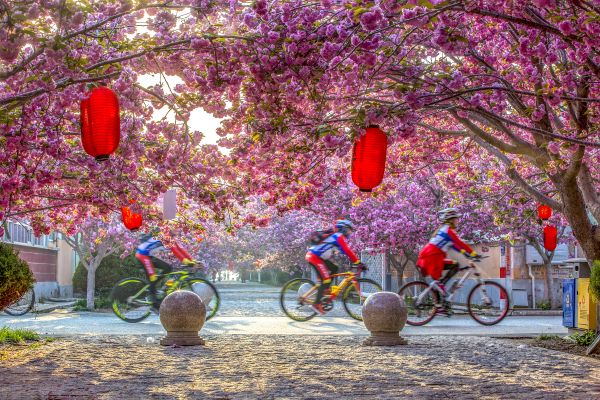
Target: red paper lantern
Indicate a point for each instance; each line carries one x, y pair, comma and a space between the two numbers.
368, 159
131, 220
100, 123
544, 212
231, 266
550, 238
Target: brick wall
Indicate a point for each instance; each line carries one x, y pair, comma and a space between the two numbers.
41, 261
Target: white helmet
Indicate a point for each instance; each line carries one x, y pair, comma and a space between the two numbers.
449, 213
344, 226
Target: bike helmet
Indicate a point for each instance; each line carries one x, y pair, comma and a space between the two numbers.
449, 213
344, 226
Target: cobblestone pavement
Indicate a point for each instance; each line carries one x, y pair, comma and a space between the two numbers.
292, 367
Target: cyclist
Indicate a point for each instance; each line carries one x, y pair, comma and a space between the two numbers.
145, 253
318, 255
432, 259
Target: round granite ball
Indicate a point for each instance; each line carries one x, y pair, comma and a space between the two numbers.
182, 311
384, 312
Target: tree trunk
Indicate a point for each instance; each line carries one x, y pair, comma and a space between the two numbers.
399, 267
576, 214
550, 287
91, 285
413, 257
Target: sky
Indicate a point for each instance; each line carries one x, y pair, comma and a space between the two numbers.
199, 119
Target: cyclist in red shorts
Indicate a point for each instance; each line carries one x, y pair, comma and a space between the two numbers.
433, 258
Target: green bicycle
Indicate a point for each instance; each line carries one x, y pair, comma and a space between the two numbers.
131, 299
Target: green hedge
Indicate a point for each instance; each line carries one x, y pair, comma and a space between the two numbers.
15, 276
280, 276
112, 269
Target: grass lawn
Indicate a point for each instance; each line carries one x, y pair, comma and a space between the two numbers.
14, 342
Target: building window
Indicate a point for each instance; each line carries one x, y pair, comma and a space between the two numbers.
20, 233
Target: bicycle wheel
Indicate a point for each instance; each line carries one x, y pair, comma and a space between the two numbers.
207, 292
354, 298
293, 301
130, 299
488, 303
22, 305
425, 311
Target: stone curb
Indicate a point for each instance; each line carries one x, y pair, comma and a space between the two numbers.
535, 313
61, 299
46, 307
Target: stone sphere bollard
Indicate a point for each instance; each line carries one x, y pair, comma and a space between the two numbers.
182, 313
205, 292
384, 314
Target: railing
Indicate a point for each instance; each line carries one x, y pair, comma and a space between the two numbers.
20, 233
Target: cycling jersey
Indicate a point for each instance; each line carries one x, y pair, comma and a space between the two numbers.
433, 256
325, 249
446, 238
152, 246
318, 256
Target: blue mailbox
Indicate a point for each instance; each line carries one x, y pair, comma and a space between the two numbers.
569, 303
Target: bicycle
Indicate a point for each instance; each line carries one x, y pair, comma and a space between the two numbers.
487, 303
298, 294
131, 300
22, 305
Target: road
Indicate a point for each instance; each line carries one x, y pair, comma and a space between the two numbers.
254, 309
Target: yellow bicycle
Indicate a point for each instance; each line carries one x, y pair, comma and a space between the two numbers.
297, 295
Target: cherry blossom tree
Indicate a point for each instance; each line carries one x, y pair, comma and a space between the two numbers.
96, 239
51, 54
508, 89
444, 79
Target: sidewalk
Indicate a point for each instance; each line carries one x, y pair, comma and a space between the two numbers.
296, 366
50, 305
254, 309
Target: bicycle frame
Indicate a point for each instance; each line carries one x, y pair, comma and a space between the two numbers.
350, 278
183, 275
476, 271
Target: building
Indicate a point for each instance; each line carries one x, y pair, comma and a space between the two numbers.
50, 258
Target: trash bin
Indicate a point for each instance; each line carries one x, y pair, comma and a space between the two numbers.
569, 303
587, 312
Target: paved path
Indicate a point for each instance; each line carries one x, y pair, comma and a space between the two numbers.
253, 352
232, 367
254, 309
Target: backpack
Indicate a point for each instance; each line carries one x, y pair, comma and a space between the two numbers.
317, 237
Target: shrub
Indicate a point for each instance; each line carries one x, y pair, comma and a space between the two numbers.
15, 276
595, 281
543, 336
285, 277
81, 305
112, 269
100, 302
543, 305
281, 277
583, 339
